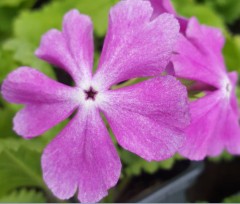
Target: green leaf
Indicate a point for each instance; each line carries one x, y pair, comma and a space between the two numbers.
32, 24
225, 156
20, 164
15, 3
24, 196
6, 122
204, 14
7, 64
54, 131
136, 165
9, 9
7, 16
238, 93
228, 9
22, 53
232, 199
231, 53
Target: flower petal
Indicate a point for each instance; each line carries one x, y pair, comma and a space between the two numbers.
162, 6
47, 101
208, 39
26, 85
212, 129
71, 49
200, 51
82, 157
190, 63
149, 118
206, 116
144, 52
233, 76
231, 133
35, 119
165, 6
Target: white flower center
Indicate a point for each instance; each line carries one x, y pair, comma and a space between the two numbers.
227, 87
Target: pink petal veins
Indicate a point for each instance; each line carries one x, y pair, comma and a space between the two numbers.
71, 49
135, 46
47, 101
82, 157
149, 118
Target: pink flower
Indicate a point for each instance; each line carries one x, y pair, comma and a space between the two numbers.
165, 6
215, 116
147, 118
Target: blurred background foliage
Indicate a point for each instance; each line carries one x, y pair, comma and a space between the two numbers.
22, 23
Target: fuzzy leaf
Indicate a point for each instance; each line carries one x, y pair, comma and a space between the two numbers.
15, 3
228, 9
6, 123
231, 53
19, 164
232, 199
225, 156
7, 64
136, 165
204, 14
9, 9
23, 54
24, 196
32, 24
7, 16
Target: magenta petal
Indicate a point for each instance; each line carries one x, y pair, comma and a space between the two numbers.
35, 119
190, 63
231, 133
208, 39
162, 6
72, 49
214, 127
199, 55
205, 125
165, 6
149, 118
78, 32
47, 101
214, 124
144, 52
82, 157
233, 76
27, 85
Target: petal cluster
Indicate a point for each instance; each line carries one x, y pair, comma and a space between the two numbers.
214, 126
147, 118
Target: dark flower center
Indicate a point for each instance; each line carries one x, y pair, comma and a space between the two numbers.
90, 94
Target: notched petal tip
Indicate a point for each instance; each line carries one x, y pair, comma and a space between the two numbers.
170, 20
73, 14
128, 8
142, 53
49, 36
149, 118
171, 29
207, 38
72, 48
82, 157
17, 76
162, 6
